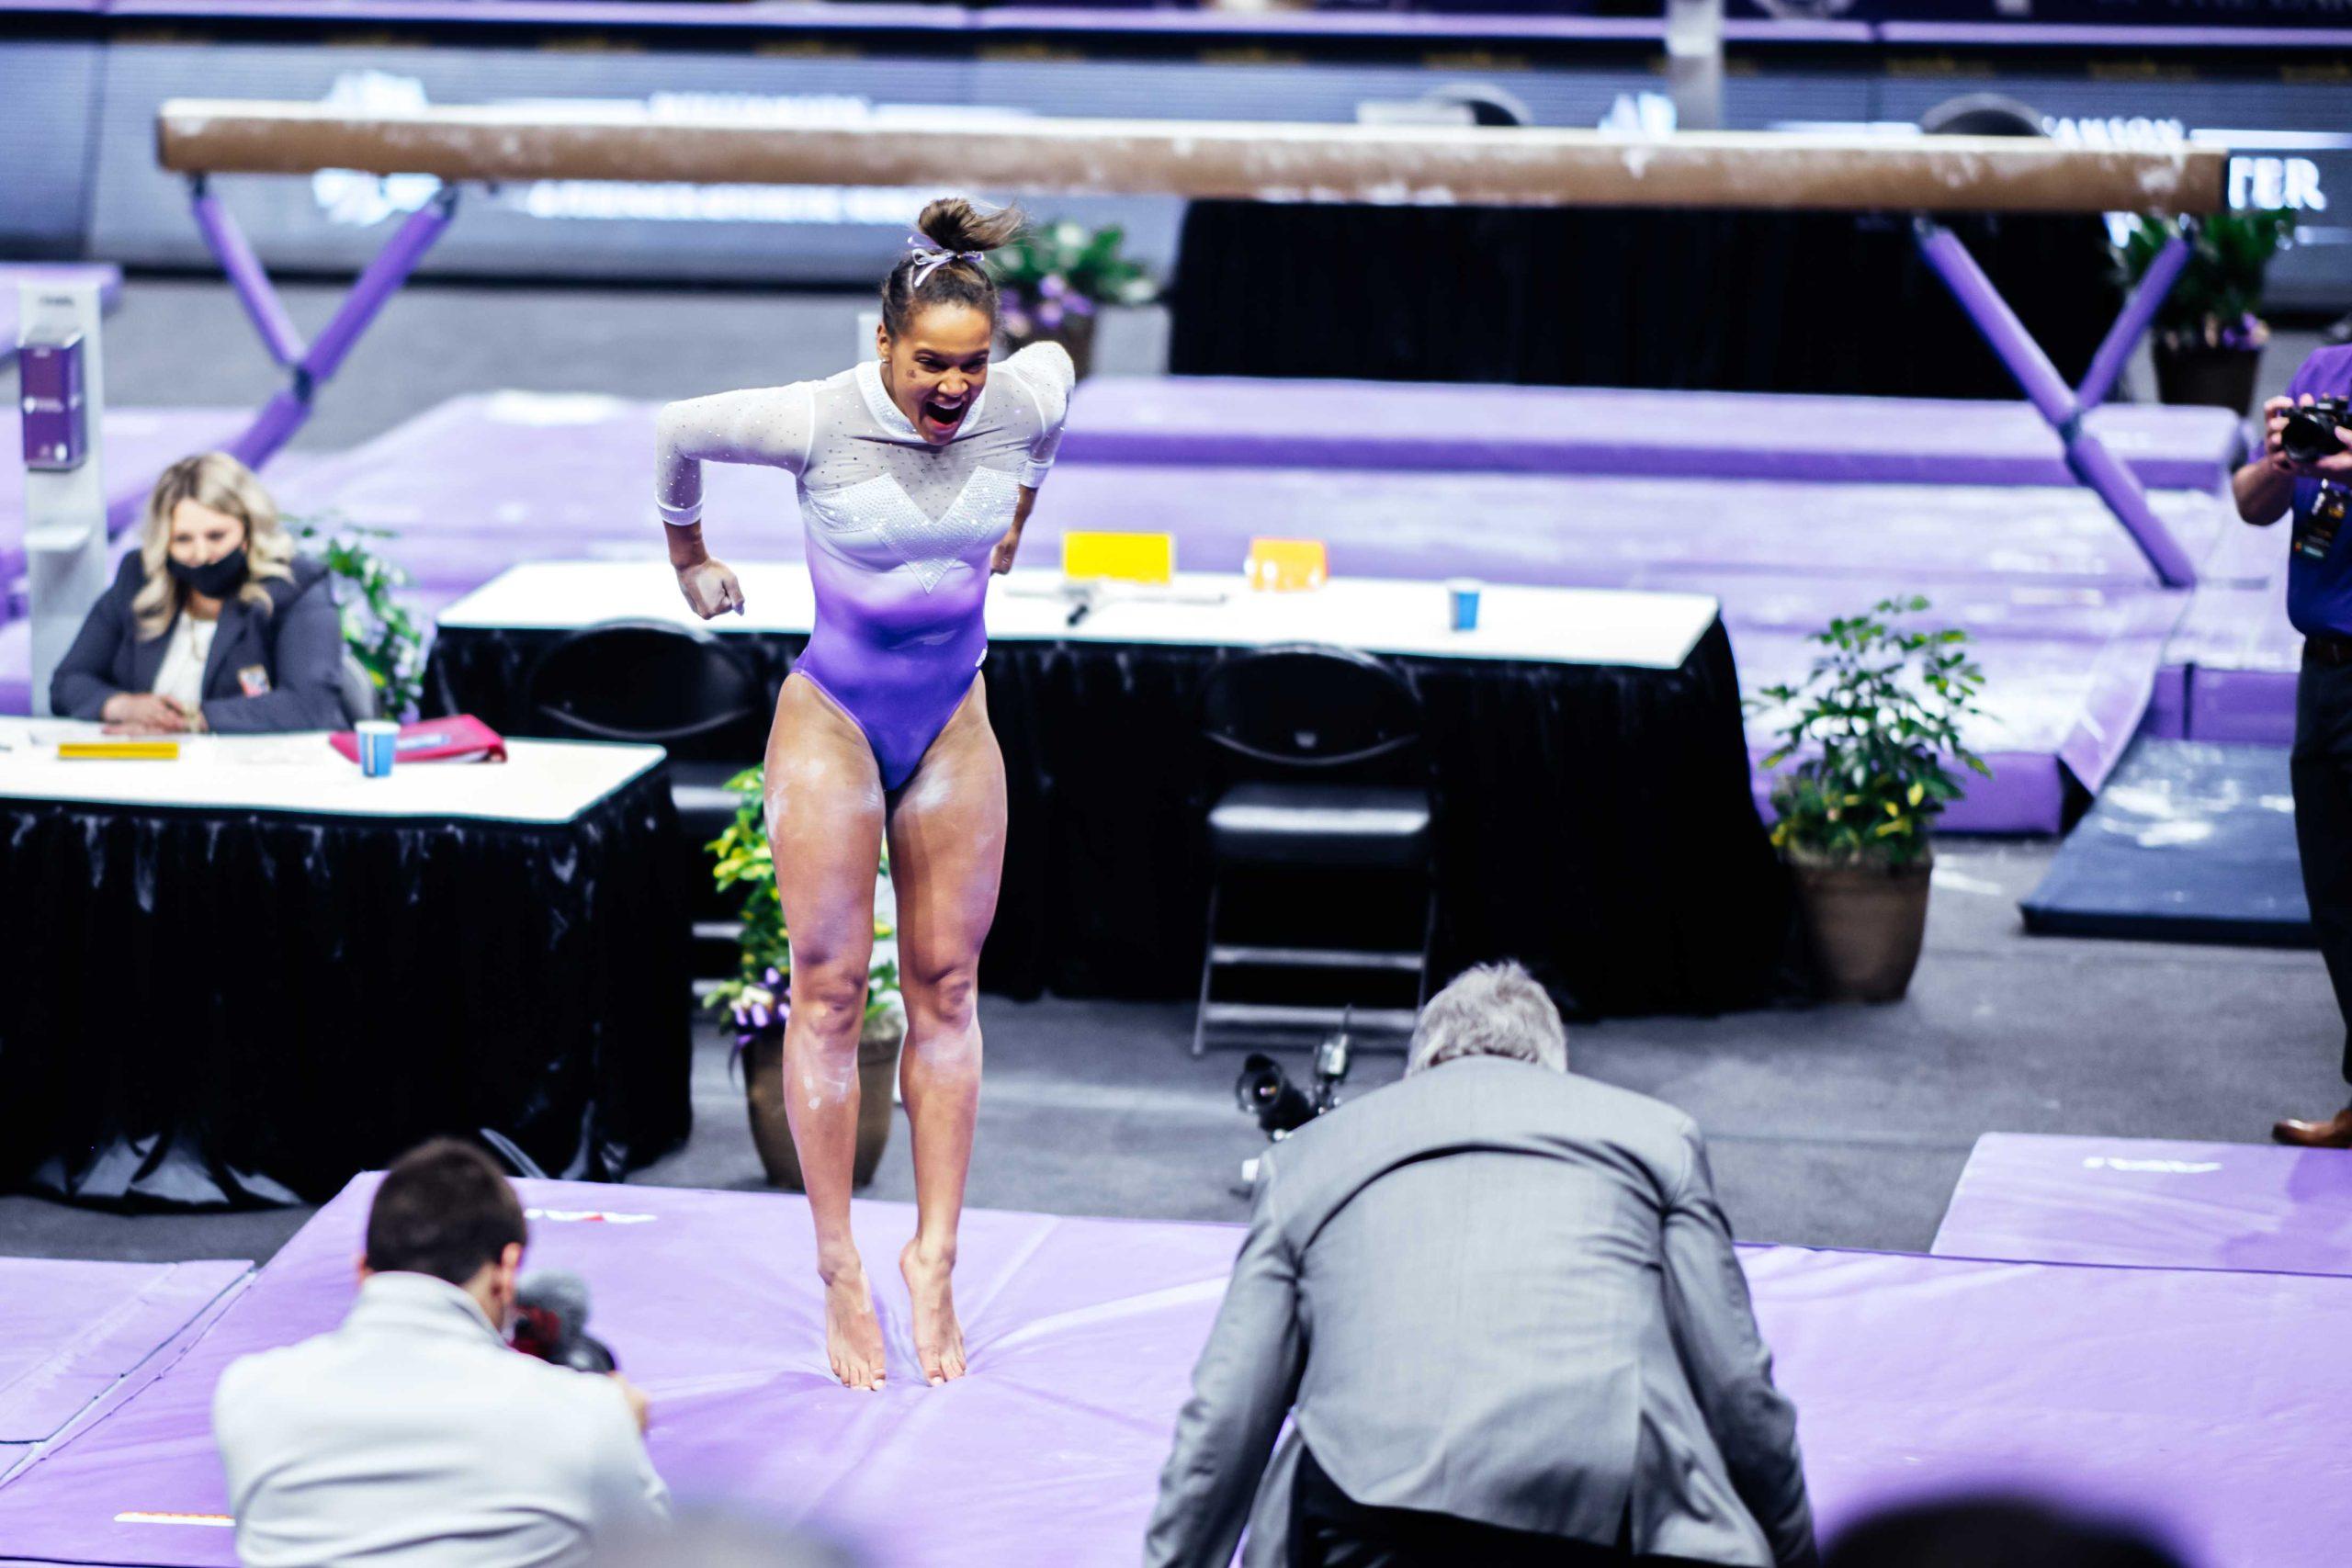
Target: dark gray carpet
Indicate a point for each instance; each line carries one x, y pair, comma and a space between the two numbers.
1841, 1126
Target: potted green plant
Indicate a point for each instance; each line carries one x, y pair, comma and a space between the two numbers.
2209, 338
381, 634
1871, 727
1055, 278
757, 1000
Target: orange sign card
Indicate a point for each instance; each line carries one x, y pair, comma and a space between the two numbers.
1287, 566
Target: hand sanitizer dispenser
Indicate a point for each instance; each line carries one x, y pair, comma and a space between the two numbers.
64, 392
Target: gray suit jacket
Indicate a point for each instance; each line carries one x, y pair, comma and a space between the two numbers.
1503, 1293
297, 643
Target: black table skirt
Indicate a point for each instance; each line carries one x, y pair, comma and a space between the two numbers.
206, 1006
1595, 822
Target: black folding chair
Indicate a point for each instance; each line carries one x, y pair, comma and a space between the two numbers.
1320, 754
662, 684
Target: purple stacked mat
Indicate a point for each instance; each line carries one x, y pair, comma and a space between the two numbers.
2148, 1203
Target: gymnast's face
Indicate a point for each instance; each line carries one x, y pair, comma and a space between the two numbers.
935, 371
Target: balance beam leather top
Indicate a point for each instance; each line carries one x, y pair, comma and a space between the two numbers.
1418, 165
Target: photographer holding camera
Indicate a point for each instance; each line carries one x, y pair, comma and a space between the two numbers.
414, 1434
2306, 467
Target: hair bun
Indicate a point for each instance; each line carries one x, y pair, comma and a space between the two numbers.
953, 223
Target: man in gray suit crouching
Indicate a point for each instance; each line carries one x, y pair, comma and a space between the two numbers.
1501, 1308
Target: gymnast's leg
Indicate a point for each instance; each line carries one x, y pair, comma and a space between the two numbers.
947, 855
824, 808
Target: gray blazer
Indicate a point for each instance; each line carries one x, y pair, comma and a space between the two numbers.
297, 643
1500, 1292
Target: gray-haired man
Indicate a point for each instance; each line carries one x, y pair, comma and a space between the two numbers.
1502, 1310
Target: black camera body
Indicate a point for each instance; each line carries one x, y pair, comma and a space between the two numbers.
2316, 430
1264, 1090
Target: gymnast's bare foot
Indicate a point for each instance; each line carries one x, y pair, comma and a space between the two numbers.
939, 1337
852, 1334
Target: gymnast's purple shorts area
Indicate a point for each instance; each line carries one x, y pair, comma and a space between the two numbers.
895, 660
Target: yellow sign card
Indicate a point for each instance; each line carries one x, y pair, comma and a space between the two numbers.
1125, 557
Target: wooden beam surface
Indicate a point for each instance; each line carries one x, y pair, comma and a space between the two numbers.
1415, 165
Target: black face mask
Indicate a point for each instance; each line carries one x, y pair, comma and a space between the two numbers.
216, 581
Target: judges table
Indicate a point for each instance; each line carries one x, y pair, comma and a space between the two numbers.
243, 974
1587, 765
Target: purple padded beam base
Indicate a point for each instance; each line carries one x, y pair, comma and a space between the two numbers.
2202, 1401
1260, 421
2152, 1203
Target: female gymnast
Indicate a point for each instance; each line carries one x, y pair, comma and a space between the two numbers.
917, 471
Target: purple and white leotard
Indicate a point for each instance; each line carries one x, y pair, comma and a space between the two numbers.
899, 531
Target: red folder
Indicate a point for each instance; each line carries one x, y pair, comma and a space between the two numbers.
461, 738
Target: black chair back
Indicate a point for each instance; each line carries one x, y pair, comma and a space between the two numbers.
648, 681
1310, 708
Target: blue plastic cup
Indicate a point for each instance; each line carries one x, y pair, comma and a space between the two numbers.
378, 738
1463, 591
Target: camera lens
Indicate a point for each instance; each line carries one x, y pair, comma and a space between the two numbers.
2311, 433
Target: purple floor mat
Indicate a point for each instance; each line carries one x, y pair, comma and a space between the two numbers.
2152, 1203
2070, 621
2065, 614
2198, 1396
70, 1331
1256, 422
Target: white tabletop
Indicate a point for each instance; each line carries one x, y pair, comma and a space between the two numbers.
542, 782
1561, 625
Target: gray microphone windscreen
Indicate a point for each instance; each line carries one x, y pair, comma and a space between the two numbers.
559, 1291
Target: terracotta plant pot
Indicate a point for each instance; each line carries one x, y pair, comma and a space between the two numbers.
1075, 333
877, 1071
2195, 373
1864, 924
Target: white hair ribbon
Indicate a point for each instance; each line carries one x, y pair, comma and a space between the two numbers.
933, 260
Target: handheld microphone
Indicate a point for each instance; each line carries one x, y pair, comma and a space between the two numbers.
551, 1322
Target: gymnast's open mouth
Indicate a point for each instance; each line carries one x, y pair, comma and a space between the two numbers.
941, 418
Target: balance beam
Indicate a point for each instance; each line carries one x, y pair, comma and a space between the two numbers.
1386, 166
1205, 159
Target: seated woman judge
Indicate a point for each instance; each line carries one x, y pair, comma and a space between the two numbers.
213, 624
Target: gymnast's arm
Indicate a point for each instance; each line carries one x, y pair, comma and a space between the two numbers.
1046, 374
772, 426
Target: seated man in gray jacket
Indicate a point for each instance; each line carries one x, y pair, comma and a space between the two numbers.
414, 1434
1501, 1309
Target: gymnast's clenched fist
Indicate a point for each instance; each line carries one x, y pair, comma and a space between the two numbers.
710, 588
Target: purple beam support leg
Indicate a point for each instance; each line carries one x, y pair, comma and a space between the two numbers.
2116, 348
2048, 391
286, 412
379, 282
231, 249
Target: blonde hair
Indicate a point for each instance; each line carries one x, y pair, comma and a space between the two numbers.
218, 482
1493, 1010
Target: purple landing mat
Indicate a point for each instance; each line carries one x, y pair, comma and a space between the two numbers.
2067, 616
70, 1331
2150, 1203
1254, 422
2193, 1396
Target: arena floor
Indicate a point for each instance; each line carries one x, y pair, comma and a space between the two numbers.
1831, 1127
